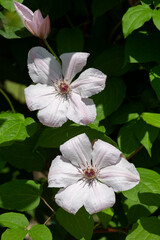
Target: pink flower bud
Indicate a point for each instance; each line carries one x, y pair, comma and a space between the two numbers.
34, 22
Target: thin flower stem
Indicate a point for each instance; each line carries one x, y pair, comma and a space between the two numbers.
136, 151
48, 205
8, 100
69, 21
48, 219
51, 50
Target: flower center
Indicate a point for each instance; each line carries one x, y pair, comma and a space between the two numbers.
62, 87
89, 173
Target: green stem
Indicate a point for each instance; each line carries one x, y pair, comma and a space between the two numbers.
50, 49
8, 100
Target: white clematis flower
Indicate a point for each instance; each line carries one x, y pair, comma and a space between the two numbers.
56, 98
89, 175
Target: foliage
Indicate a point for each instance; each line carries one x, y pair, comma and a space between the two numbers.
122, 37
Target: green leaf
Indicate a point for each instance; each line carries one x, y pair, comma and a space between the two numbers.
12, 26
127, 141
14, 233
40, 232
54, 137
135, 17
146, 228
26, 195
13, 127
79, 225
154, 77
22, 156
152, 119
112, 97
146, 134
99, 7
8, 4
126, 113
148, 190
13, 220
142, 46
135, 210
112, 61
70, 40
105, 216
156, 18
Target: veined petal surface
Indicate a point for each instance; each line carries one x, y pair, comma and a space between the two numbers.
43, 66
39, 96
73, 63
72, 198
81, 111
105, 154
77, 150
25, 13
90, 82
99, 197
62, 173
120, 177
54, 115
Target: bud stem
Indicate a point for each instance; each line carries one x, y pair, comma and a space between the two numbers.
8, 100
50, 49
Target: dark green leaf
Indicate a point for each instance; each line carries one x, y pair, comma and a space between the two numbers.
13, 220
69, 40
142, 46
154, 76
79, 225
22, 156
54, 137
112, 97
148, 190
126, 113
40, 232
26, 195
127, 140
146, 134
99, 7
105, 216
111, 61
135, 17
145, 228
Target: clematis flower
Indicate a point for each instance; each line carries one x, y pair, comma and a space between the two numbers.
89, 175
34, 22
56, 98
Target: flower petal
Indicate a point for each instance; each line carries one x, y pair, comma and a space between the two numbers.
43, 66
77, 150
120, 177
39, 96
73, 63
105, 154
25, 13
44, 29
90, 82
62, 173
31, 28
99, 197
37, 18
71, 198
54, 115
81, 111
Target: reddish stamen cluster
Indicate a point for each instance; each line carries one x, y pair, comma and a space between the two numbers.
63, 87
89, 173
